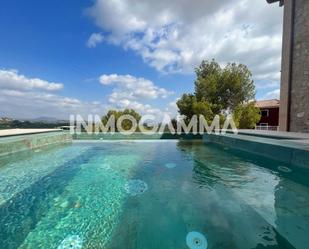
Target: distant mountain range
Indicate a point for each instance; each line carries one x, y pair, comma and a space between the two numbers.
47, 120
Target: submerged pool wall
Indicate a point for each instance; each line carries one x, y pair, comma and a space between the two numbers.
17, 143
12, 144
275, 149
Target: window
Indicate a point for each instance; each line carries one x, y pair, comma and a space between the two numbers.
264, 113
263, 124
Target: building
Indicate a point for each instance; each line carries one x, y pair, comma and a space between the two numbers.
269, 110
294, 90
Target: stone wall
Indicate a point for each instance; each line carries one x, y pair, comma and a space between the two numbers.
299, 109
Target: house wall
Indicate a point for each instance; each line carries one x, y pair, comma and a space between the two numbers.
273, 117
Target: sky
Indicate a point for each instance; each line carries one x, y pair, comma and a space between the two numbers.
86, 57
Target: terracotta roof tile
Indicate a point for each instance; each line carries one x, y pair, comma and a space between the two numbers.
267, 103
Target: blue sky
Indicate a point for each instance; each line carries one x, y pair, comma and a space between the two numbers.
53, 53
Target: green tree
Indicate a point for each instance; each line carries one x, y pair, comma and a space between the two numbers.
185, 105
189, 106
246, 116
208, 84
220, 90
203, 108
126, 124
225, 88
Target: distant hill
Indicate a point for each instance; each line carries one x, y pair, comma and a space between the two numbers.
40, 122
47, 120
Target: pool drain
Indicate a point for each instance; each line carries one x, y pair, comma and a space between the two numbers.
196, 240
71, 242
170, 165
284, 169
136, 187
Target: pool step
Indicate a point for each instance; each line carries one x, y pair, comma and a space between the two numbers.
23, 209
292, 153
12, 144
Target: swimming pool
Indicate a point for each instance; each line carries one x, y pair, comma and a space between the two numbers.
150, 195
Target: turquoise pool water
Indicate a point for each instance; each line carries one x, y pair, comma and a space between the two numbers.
150, 195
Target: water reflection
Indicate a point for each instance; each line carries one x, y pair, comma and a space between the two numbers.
262, 195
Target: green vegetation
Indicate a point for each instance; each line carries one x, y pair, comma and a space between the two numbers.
28, 124
246, 116
221, 91
126, 124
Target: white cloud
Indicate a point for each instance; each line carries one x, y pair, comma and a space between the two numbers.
172, 108
132, 92
274, 94
174, 36
23, 97
144, 109
137, 106
94, 39
28, 104
133, 88
11, 79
